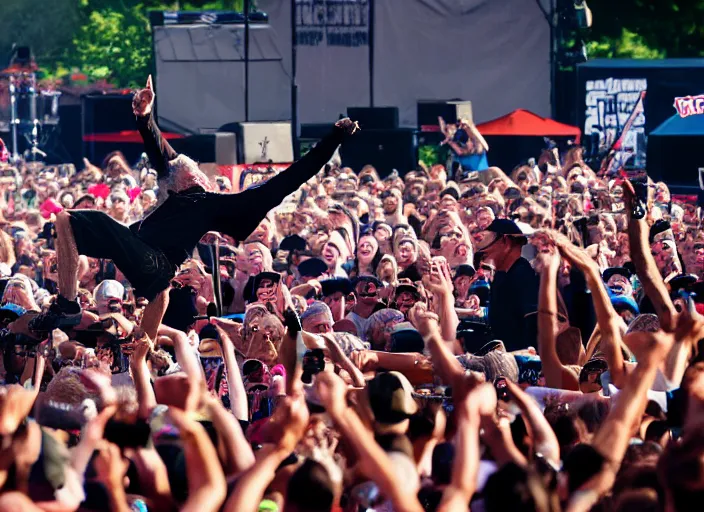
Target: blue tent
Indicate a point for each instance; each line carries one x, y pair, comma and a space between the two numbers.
681, 126
673, 152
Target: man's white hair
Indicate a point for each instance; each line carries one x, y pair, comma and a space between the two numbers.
184, 173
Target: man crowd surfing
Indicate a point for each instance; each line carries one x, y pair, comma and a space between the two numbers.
455, 338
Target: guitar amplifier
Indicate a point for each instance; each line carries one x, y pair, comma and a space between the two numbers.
374, 118
214, 148
450, 111
386, 150
262, 142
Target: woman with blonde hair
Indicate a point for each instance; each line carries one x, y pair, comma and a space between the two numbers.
7, 250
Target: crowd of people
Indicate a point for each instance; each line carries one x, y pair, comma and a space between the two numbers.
457, 337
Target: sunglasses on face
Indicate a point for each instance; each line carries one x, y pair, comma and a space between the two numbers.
454, 234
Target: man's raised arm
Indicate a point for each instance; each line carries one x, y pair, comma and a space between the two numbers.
254, 203
156, 146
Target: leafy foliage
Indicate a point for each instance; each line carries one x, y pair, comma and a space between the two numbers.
114, 45
627, 45
103, 39
671, 28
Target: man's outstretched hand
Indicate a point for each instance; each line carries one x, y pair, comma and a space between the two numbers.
143, 100
348, 125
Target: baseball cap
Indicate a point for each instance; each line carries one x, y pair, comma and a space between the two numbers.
367, 279
621, 302
661, 231
313, 267
107, 290
682, 282
406, 338
407, 287
391, 398
499, 228
11, 312
465, 270
293, 243
647, 322
338, 284
616, 271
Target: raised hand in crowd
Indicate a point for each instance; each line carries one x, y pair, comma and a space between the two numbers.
557, 375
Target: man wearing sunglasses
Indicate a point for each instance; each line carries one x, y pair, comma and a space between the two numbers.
514, 289
366, 293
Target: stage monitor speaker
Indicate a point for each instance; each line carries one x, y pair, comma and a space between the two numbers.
262, 142
65, 144
450, 111
215, 148
105, 113
374, 118
315, 130
386, 150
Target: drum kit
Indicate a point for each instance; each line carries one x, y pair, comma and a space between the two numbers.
25, 110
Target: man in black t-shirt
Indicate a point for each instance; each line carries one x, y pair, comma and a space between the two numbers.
514, 289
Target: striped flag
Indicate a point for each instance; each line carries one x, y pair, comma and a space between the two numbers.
637, 109
617, 156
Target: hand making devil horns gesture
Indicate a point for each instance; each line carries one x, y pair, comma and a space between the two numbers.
143, 100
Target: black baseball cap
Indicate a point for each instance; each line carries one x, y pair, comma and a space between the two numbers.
498, 228
407, 287
293, 243
682, 282
505, 227
370, 279
338, 284
313, 267
465, 270
661, 226
616, 271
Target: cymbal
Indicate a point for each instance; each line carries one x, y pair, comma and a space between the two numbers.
15, 69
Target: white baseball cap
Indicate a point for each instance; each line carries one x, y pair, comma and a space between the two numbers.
107, 290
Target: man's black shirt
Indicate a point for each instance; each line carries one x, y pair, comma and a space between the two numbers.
513, 306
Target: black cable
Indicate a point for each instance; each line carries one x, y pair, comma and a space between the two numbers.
546, 14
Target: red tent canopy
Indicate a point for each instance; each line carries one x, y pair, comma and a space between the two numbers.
523, 122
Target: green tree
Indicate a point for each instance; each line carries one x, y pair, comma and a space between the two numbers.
627, 45
635, 28
113, 45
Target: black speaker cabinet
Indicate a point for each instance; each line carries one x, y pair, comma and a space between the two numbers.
386, 150
450, 111
217, 148
315, 130
106, 113
374, 118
